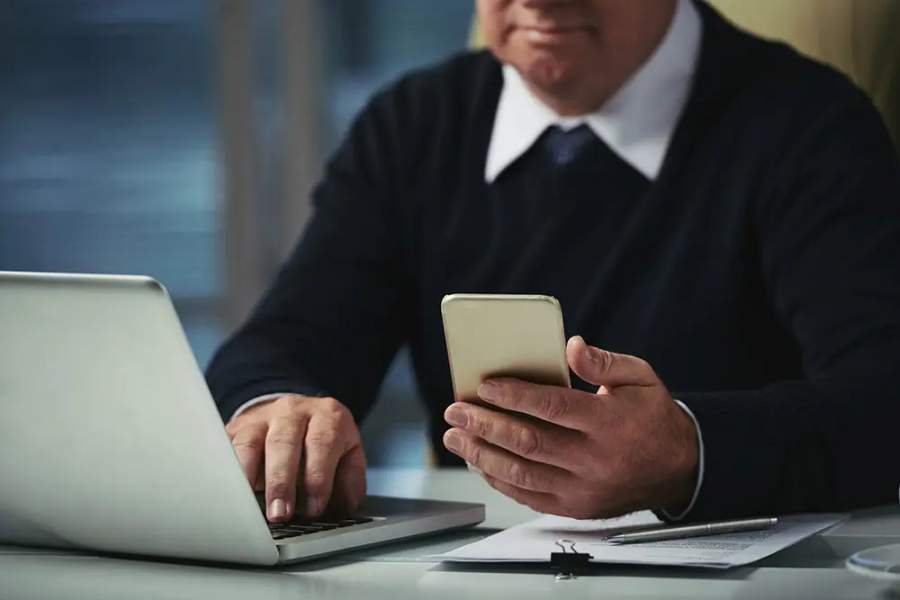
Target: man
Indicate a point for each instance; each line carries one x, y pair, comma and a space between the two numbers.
714, 204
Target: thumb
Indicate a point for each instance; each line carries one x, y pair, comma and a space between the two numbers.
601, 367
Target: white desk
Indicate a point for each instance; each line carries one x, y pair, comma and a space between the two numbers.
813, 569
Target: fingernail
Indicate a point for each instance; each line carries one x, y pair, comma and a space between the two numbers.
277, 509
474, 469
488, 390
456, 415
312, 507
452, 440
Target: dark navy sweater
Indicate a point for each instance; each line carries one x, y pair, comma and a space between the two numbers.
759, 273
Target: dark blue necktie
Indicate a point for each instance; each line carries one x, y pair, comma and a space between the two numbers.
564, 146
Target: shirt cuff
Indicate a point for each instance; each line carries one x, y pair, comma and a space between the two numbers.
254, 402
700, 467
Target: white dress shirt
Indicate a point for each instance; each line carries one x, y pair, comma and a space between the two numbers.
637, 123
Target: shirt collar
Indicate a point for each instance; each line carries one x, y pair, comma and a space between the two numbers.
637, 122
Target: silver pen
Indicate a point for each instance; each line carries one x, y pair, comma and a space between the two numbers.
686, 531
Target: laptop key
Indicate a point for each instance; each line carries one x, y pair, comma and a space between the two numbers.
304, 529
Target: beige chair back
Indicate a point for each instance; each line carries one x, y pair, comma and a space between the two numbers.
860, 38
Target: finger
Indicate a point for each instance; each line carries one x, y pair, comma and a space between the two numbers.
503, 465
248, 443
328, 438
538, 501
284, 443
349, 482
563, 406
601, 367
535, 440
232, 427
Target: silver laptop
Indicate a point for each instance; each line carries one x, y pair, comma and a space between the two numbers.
110, 440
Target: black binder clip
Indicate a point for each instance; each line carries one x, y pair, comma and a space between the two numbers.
569, 562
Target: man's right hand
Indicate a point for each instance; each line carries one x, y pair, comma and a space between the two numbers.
304, 451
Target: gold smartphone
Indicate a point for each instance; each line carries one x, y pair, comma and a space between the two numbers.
503, 335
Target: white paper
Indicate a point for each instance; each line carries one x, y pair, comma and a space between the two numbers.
535, 540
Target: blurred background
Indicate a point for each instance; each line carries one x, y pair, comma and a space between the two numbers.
180, 139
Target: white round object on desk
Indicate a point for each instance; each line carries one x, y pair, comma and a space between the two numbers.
881, 563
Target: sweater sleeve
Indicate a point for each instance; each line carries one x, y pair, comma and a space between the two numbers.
828, 231
338, 309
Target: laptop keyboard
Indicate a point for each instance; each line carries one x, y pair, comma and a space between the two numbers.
298, 527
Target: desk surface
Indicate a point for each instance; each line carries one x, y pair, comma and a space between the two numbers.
813, 569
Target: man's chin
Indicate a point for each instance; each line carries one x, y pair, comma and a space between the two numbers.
549, 74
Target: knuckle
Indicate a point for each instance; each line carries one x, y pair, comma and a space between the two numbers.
483, 427
279, 475
554, 406
527, 442
281, 438
518, 475
472, 452
284, 421
277, 488
315, 481
247, 442
513, 395
604, 360
343, 419
330, 405
515, 474
321, 438
286, 402
283, 432
336, 412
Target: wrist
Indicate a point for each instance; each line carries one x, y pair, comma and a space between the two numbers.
684, 468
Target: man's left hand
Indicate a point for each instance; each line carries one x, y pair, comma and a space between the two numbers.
577, 454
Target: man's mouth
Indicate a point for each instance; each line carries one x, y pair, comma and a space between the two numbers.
552, 34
